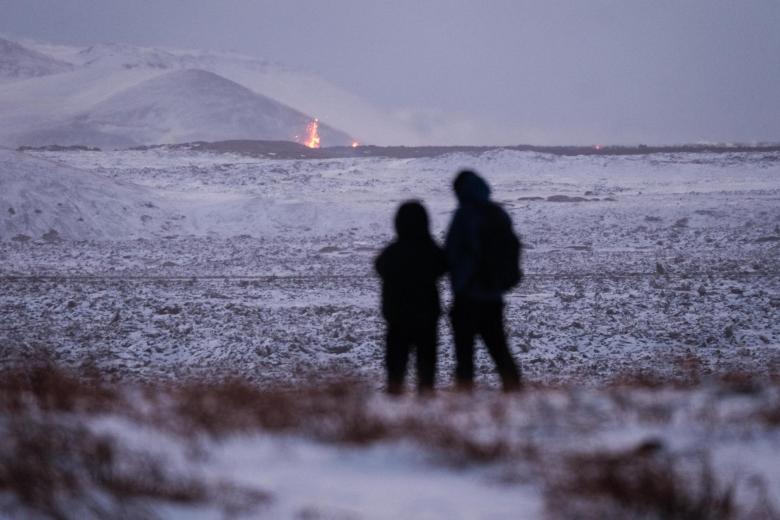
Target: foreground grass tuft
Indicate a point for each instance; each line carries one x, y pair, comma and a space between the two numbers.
646, 482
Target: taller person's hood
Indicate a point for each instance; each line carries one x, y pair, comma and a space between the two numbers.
470, 188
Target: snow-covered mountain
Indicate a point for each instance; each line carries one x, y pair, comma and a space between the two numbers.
118, 95
18, 62
35, 110
305, 91
181, 106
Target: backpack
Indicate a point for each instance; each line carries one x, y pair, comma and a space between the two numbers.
499, 263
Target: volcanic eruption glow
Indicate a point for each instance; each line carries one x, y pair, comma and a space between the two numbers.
312, 137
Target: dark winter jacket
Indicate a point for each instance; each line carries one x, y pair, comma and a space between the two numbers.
409, 268
463, 244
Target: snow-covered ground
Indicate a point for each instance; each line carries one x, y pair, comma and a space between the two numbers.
170, 265
174, 262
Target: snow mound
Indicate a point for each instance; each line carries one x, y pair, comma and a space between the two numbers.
43, 199
182, 106
18, 62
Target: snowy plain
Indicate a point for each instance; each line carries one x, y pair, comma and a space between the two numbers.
169, 264
152, 255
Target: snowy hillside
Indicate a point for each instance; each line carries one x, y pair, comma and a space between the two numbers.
129, 57
305, 91
43, 199
102, 99
182, 106
18, 62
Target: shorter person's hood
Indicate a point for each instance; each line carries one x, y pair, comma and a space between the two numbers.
470, 188
411, 221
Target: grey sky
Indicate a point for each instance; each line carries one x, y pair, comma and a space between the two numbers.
546, 71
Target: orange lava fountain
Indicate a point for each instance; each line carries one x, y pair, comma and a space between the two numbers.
312, 139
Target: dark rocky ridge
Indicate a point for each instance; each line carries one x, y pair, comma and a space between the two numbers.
291, 150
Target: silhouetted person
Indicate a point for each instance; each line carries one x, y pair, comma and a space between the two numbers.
483, 254
409, 268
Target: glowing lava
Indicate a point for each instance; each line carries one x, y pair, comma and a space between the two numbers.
312, 138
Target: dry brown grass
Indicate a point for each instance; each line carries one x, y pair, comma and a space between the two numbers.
646, 482
48, 387
675, 372
770, 414
60, 469
339, 411
686, 372
52, 465
334, 411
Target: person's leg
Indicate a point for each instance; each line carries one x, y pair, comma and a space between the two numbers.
396, 356
491, 328
463, 331
426, 342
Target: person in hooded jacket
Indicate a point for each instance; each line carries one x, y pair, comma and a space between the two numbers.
409, 268
478, 305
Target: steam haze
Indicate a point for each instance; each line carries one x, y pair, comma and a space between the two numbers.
499, 72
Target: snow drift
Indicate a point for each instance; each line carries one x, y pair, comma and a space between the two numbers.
42, 199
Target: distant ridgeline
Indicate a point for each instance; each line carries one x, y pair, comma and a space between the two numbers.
292, 150
58, 148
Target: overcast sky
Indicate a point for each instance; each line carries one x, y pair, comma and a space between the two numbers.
546, 71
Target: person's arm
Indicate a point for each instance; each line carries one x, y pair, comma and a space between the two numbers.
438, 261
462, 248
380, 264
452, 242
